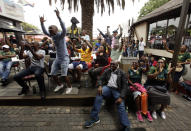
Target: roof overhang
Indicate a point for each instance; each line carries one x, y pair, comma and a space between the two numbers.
5, 27
169, 10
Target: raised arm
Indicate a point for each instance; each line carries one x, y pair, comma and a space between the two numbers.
42, 26
121, 32
165, 46
108, 32
102, 33
89, 44
63, 33
73, 45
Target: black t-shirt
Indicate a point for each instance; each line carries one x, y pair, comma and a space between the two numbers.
101, 60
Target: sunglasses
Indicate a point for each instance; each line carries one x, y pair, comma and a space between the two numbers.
160, 62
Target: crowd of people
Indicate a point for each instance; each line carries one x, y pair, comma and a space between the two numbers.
101, 61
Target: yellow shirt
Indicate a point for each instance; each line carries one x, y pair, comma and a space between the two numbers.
85, 55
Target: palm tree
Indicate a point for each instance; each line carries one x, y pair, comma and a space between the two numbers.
88, 9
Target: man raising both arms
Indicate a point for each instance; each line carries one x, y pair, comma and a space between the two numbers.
62, 56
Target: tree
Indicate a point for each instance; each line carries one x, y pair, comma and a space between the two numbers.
88, 9
150, 6
28, 27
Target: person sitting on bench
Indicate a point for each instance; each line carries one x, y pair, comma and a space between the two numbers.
134, 80
86, 58
157, 76
36, 67
112, 84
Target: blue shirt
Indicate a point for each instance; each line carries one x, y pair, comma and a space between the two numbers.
59, 41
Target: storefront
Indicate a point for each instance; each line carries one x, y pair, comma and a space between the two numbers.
161, 24
11, 16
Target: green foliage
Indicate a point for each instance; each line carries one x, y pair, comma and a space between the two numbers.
150, 6
29, 27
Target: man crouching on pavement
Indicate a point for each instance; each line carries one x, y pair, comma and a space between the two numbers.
36, 67
113, 83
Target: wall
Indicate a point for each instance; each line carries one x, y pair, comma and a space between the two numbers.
141, 31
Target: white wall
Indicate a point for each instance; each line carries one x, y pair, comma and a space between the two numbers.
141, 31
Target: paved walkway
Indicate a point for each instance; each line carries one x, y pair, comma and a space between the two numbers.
65, 118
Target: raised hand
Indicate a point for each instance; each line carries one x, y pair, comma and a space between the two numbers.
57, 12
42, 19
98, 30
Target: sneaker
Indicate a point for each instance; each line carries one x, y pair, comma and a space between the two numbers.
185, 96
58, 88
139, 116
23, 91
68, 90
91, 123
154, 115
149, 117
188, 98
163, 115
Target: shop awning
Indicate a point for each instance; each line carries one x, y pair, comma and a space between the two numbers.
5, 27
33, 32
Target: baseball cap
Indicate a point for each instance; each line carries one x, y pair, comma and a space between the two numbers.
163, 59
5, 46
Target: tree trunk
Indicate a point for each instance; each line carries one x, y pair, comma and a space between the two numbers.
87, 16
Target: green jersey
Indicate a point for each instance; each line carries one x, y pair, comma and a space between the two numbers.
2, 53
182, 57
161, 76
135, 75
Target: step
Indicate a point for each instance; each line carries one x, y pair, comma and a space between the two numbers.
52, 100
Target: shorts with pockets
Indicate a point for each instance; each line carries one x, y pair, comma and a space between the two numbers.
57, 65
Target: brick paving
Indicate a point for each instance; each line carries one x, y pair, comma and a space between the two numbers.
67, 118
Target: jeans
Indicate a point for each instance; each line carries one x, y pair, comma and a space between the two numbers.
37, 71
107, 92
141, 53
135, 52
5, 68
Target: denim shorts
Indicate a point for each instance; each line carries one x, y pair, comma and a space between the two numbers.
82, 64
57, 65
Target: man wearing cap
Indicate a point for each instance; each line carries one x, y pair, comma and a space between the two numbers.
116, 37
5, 63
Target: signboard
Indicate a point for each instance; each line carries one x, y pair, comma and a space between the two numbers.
11, 10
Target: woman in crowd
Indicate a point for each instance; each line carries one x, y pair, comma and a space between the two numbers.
100, 62
183, 58
157, 76
134, 80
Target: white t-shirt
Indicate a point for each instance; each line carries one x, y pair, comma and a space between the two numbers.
86, 37
35, 62
113, 81
142, 46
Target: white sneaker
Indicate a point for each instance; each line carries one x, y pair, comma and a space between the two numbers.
163, 115
154, 115
68, 90
58, 88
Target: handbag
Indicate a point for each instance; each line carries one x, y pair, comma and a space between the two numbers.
161, 88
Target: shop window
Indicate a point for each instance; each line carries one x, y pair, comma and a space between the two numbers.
152, 33
187, 38
171, 31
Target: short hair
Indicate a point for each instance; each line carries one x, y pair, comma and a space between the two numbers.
53, 26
